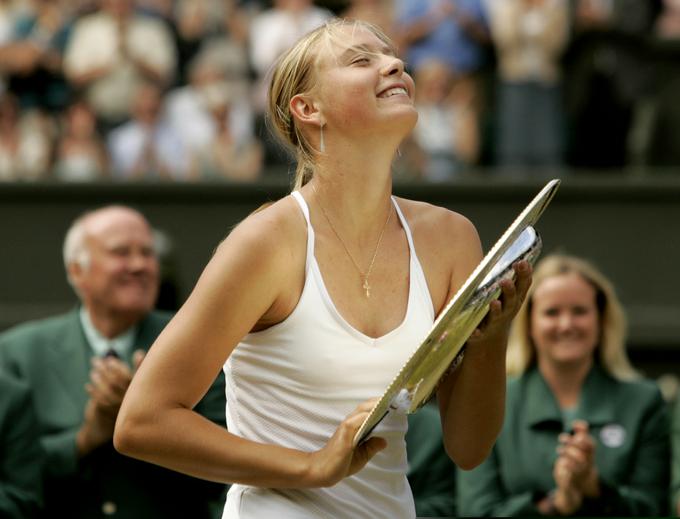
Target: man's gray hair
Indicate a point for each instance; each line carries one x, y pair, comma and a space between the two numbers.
75, 250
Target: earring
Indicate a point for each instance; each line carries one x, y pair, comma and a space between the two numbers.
322, 144
398, 152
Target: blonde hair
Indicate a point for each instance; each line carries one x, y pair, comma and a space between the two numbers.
294, 73
611, 350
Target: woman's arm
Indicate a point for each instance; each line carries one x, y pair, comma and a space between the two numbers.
472, 398
244, 284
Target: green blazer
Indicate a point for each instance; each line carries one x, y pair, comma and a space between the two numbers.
629, 422
53, 357
21, 456
431, 473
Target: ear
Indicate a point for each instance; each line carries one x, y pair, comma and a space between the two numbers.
75, 272
306, 110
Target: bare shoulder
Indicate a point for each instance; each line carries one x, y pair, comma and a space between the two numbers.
273, 233
437, 225
447, 245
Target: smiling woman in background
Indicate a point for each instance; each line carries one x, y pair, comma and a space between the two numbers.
584, 434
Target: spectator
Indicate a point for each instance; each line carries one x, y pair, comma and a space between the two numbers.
660, 145
21, 456
201, 20
225, 157
583, 433
453, 31
446, 137
220, 69
25, 145
111, 52
34, 59
377, 12
607, 72
78, 366
147, 146
431, 473
274, 30
80, 152
530, 37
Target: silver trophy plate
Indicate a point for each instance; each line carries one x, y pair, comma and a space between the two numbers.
419, 377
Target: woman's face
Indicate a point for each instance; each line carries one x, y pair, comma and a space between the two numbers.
363, 87
565, 323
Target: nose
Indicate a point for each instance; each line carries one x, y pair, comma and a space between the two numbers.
393, 66
141, 262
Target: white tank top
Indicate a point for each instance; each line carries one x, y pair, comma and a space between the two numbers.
293, 383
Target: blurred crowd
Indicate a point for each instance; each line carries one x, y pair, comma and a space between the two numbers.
175, 89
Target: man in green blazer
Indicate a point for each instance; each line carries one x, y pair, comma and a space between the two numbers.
21, 457
79, 365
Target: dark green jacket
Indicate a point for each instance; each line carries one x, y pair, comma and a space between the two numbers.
21, 457
431, 473
53, 357
629, 422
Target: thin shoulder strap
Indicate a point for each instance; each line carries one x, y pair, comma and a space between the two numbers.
405, 226
310, 230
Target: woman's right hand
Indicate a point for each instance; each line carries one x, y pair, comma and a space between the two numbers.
339, 458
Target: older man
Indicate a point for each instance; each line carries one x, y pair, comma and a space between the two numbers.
79, 365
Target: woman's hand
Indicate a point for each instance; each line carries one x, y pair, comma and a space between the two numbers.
502, 310
578, 450
567, 498
339, 458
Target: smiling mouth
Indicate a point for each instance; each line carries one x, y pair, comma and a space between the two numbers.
394, 92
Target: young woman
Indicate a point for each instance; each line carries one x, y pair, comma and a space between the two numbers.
584, 434
312, 305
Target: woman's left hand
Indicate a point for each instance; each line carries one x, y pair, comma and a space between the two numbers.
578, 450
502, 310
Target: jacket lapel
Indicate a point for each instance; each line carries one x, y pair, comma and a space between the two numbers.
69, 360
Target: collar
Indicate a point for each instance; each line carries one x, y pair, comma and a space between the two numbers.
122, 344
542, 410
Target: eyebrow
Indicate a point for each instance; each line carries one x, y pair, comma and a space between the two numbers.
362, 47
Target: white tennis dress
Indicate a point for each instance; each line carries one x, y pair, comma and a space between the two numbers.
293, 383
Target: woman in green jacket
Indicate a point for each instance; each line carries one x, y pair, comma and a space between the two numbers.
584, 434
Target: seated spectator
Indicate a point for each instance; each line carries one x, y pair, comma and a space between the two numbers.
198, 21
529, 37
377, 12
274, 30
607, 73
221, 66
34, 58
78, 366
80, 152
225, 157
583, 433
452, 31
147, 147
431, 473
446, 136
661, 148
25, 145
111, 52
21, 456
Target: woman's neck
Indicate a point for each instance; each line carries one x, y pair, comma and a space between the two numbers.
355, 190
565, 380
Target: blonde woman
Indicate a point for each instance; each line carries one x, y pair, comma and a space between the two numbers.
584, 434
311, 305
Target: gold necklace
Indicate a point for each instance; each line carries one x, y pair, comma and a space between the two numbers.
365, 285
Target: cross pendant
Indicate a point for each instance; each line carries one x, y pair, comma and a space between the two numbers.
367, 287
